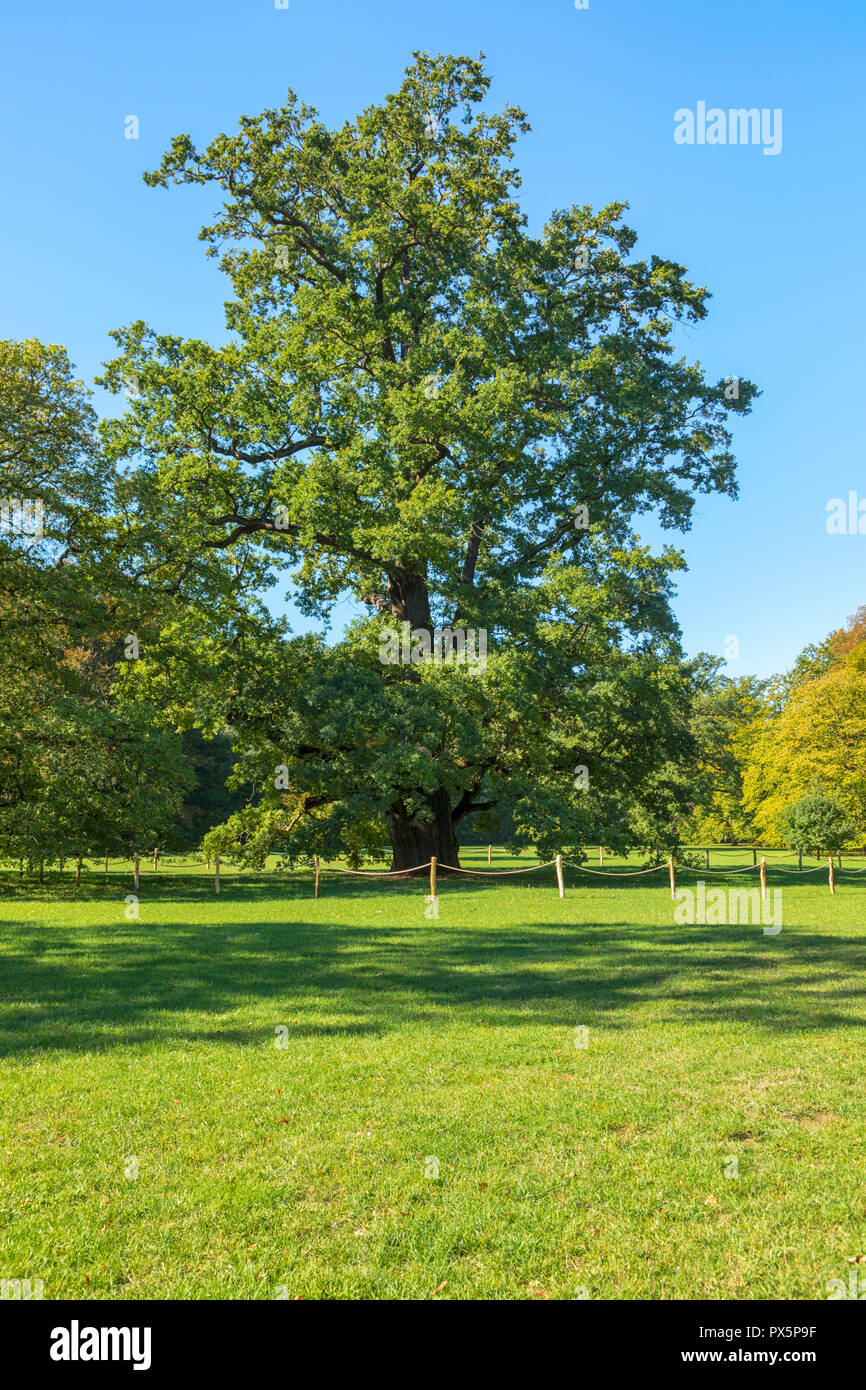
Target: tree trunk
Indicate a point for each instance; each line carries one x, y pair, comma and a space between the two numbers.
414, 842
408, 598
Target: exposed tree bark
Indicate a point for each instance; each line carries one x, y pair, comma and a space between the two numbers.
470, 562
408, 598
414, 841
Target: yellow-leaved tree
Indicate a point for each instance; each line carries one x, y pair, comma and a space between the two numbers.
814, 737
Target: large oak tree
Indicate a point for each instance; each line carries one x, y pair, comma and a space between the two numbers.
452, 418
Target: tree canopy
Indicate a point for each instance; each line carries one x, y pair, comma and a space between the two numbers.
79, 774
811, 736
453, 419
817, 822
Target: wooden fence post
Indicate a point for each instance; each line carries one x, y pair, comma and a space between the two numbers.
600, 855
707, 855
216, 875
106, 863
673, 881
754, 856
832, 880
433, 876
489, 848
559, 876
800, 859
78, 873
763, 877
135, 871
155, 857
317, 875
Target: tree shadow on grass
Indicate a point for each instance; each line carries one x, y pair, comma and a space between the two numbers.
69, 990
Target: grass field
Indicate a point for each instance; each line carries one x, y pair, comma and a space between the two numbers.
287, 1077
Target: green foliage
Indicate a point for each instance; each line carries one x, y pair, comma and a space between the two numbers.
78, 774
209, 800
723, 717
454, 422
817, 822
812, 732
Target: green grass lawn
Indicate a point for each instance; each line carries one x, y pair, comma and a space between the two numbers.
414, 1045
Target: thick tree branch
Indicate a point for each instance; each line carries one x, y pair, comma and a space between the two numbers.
272, 455
250, 525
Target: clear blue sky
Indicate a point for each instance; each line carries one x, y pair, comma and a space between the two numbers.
87, 247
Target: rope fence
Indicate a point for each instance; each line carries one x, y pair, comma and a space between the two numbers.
433, 864
558, 863
498, 873
622, 873
375, 873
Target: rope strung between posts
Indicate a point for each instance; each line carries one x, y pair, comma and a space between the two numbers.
549, 863
604, 873
747, 869
373, 873
754, 868
498, 873
690, 868
395, 873
817, 869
